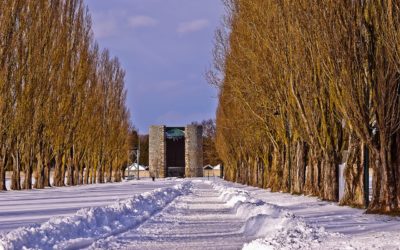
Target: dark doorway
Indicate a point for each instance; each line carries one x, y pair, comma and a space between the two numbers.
175, 140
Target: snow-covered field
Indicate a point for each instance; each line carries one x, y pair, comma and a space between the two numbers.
21, 208
185, 214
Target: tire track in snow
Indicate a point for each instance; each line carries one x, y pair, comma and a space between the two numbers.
203, 219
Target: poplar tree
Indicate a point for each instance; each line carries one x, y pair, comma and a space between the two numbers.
304, 87
62, 100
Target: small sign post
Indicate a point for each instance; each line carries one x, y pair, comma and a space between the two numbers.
138, 157
366, 176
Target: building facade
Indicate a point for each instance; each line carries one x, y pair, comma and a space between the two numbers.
176, 151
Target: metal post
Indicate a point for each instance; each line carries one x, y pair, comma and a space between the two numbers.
366, 175
129, 156
138, 156
289, 153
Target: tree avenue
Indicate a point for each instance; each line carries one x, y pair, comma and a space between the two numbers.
62, 100
308, 85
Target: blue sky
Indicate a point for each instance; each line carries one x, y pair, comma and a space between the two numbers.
165, 46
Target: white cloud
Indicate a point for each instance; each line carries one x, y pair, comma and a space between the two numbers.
104, 29
142, 21
104, 24
192, 26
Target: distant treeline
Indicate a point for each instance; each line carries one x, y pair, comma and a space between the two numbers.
62, 100
307, 85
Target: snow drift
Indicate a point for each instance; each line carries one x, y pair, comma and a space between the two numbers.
88, 225
278, 228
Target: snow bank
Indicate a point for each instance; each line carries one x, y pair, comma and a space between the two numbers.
288, 232
278, 228
88, 225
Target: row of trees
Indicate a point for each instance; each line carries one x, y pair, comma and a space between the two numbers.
210, 154
62, 100
307, 85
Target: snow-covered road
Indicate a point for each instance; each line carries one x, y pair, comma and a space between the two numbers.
199, 220
185, 214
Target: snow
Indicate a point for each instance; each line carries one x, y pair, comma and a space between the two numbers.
208, 167
90, 224
322, 225
186, 214
134, 166
8, 179
199, 220
218, 167
279, 228
22, 208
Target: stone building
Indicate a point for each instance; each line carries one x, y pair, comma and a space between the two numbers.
176, 151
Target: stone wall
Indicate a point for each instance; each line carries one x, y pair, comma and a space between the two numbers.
194, 151
157, 152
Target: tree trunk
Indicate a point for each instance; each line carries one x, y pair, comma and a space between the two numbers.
70, 168
396, 161
353, 174
99, 174
70, 173
330, 180
385, 194
109, 176
299, 171
77, 171
117, 174
389, 185
313, 173
263, 173
39, 184
247, 168
376, 184
93, 178
92, 172
57, 170
16, 175
238, 173
3, 164
259, 173
47, 173
63, 171
28, 170
123, 173
86, 174
266, 169
81, 174
276, 171
286, 182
